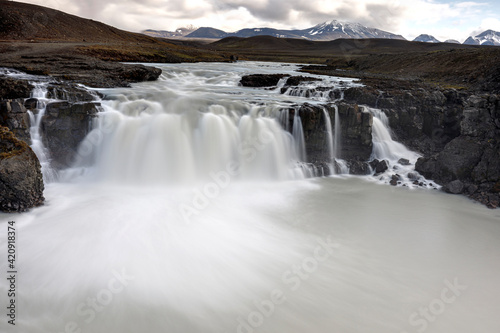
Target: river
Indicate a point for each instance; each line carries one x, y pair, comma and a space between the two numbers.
189, 210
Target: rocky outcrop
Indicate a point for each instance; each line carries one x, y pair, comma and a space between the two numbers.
356, 129
14, 89
21, 183
261, 80
14, 115
457, 132
470, 163
84, 70
63, 128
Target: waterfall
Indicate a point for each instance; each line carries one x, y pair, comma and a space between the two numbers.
384, 146
298, 135
329, 140
337, 165
337, 138
40, 92
401, 160
284, 116
145, 143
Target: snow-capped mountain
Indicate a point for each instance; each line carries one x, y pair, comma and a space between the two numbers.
452, 41
338, 29
324, 31
426, 39
488, 37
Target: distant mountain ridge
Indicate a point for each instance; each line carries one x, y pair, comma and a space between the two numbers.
321, 32
488, 37
325, 31
180, 32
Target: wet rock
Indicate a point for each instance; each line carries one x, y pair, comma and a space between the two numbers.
21, 182
14, 89
412, 176
454, 187
356, 131
379, 166
404, 161
31, 103
14, 116
296, 80
395, 180
71, 93
356, 127
456, 161
63, 128
359, 168
261, 80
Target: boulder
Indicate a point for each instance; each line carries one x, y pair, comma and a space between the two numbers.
21, 182
454, 187
379, 166
404, 161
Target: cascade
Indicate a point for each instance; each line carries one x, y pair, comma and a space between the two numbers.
384, 146
298, 135
329, 140
40, 92
337, 138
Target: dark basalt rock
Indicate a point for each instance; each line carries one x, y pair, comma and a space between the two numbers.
457, 132
89, 71
395, 179
454, 187
71, 93
404, 161
21, 182
356, 131
14, 115
261, 80
379, 166
14, 89
296, 80
63, 128
359, 168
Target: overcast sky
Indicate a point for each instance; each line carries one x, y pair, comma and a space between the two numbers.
442, 19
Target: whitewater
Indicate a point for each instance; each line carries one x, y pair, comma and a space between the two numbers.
191, 207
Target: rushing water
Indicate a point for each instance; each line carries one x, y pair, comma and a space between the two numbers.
178, 217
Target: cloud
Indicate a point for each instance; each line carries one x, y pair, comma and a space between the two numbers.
398, 16
487, 24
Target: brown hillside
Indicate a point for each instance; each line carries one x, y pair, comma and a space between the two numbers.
21, 21
269, 48
28, 30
